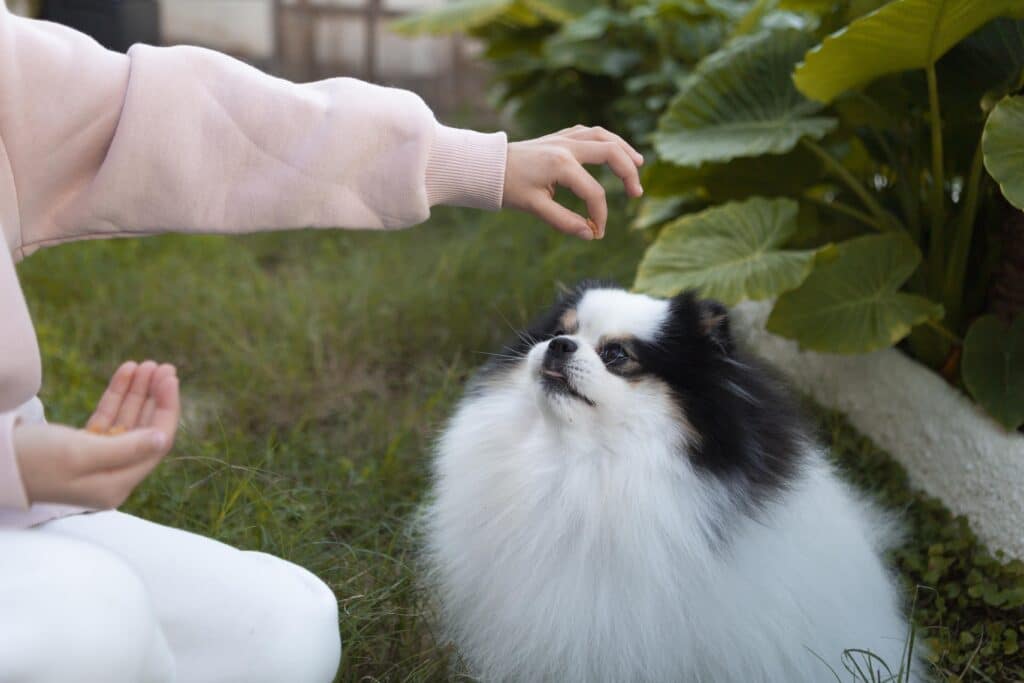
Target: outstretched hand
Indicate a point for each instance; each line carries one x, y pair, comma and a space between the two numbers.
131, 430
535, 167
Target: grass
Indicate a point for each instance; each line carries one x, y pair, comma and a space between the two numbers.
317, 368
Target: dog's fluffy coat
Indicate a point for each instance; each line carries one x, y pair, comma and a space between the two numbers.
638, 501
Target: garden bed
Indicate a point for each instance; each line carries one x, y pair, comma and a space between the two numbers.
968, 602
949, 447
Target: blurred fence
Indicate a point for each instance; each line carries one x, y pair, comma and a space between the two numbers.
311, 39
305, 40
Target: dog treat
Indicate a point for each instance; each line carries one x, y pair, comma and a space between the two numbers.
593, 226
113, 431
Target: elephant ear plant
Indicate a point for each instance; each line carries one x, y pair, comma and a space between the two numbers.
562, 62
834, 150
869, 179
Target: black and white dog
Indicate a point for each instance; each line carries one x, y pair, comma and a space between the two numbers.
624, 496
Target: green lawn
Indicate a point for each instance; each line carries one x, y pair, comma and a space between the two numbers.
316, 370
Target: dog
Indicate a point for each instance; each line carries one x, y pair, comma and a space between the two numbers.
623, 495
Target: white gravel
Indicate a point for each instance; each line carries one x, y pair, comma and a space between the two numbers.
948, 446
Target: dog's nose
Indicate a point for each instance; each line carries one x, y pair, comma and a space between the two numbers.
562, 346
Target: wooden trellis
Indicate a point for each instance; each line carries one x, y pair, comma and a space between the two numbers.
455, 82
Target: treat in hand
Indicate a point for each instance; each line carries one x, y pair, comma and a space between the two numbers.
113, 431
132, 429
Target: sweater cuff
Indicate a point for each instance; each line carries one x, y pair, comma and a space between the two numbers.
466, 168
12, 490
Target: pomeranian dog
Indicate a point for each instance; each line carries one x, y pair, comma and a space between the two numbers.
624, 496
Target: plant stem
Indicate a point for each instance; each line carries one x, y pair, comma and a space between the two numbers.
937, 243
956, 269
918, 281
907, 184
886, 220
945, 332
847, 210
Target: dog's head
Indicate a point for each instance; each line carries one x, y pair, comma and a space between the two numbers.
605, 365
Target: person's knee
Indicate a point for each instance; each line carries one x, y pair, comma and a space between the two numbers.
303, 644
82, 615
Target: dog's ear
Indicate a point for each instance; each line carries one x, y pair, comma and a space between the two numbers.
713, 322
710, 317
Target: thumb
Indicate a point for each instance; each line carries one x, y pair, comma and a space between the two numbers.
562, 219
123, 450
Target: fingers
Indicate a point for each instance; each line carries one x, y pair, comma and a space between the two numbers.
166, 408
149, 407
586, 187
143, 395
562, 219
599, 134
106, 410
131, 407
588, 152
534, 166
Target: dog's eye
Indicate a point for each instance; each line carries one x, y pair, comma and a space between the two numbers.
613, 354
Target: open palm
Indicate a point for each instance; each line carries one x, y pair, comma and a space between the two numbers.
131, 430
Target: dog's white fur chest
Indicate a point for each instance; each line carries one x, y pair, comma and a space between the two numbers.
626, 500
561, 558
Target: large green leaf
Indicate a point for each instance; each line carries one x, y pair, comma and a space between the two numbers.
994, 58
559, 11
461, 15
585, 44
661, 179
741, 102
993, 368
730, 252
658, 210
684, 34
902, 35
767, 15
852, 304
769, 175
815, 6
1003, 146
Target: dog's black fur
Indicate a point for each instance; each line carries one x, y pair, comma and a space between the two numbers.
748, 431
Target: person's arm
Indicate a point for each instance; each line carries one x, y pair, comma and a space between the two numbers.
189, 140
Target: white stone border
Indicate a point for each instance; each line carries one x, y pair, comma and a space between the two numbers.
948, 446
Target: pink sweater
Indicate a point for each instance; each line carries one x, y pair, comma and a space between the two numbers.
98, 144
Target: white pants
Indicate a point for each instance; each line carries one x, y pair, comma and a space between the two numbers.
111, 598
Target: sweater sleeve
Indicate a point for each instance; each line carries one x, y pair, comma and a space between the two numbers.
12, 491
186, 139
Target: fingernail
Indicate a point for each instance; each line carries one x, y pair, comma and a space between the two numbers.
157, 440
